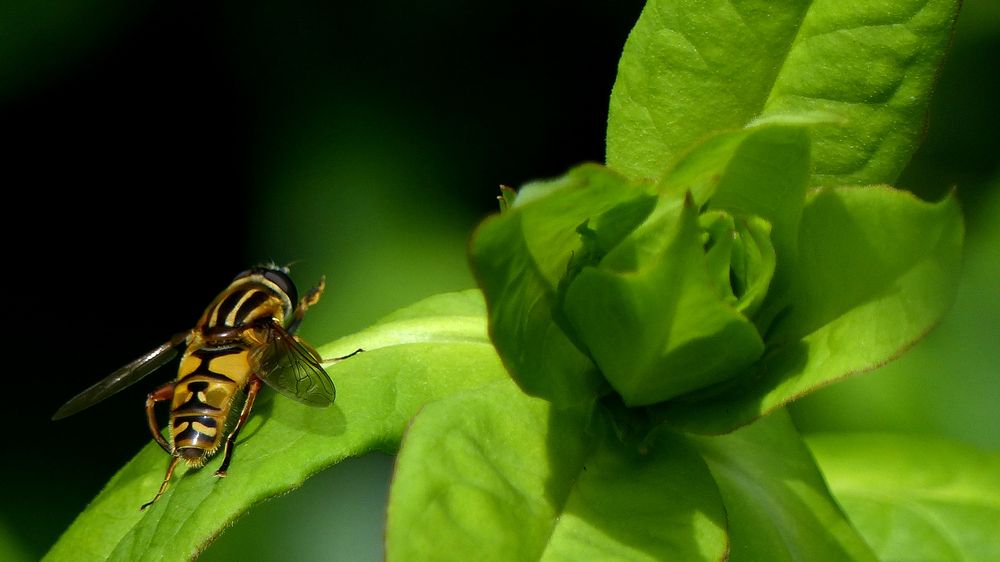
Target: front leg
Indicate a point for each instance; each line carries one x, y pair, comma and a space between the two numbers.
310, 298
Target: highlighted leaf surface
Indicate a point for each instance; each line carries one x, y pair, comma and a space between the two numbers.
691, 68
915, 498
493, 474
779, 509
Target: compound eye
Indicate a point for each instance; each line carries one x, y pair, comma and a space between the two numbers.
245, 273
283, 281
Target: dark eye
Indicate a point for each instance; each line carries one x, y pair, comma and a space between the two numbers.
245, 273
283, 281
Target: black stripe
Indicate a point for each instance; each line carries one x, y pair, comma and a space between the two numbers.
193, 404
226, 306
194, 407
208, 375
249, 305
192, 434
206, 355
206, 421
209, 353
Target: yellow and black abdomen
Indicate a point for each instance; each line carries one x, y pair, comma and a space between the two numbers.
208, 381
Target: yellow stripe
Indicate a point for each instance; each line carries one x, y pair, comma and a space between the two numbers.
202, 428
180, 428
231, 318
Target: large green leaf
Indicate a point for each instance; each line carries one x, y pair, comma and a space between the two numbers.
493, 474
778, 506
873, 244
691, 68
413, 357
875, 64
877, 269
915, 498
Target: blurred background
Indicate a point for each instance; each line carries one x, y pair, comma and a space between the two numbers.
152, 150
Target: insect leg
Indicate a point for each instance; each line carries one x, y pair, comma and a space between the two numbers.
310, 298
163, 486
339, 359
253, 387
165, 392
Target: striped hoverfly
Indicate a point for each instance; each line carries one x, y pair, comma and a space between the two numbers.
245, 338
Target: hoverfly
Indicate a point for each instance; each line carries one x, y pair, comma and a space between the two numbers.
245, 338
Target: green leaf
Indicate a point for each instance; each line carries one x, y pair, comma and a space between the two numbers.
759, 171
873, 244
654, 331
740, 259
767, 177
658, 307
915, 498
874, 63
877, 270
412, 357
691, 68
587, 266
492, 474
521, 257
777, 503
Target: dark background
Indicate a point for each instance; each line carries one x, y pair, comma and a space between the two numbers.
152, 150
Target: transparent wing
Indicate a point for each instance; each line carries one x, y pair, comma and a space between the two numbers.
122, 378
293, 368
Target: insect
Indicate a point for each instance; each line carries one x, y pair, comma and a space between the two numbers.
245, 338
